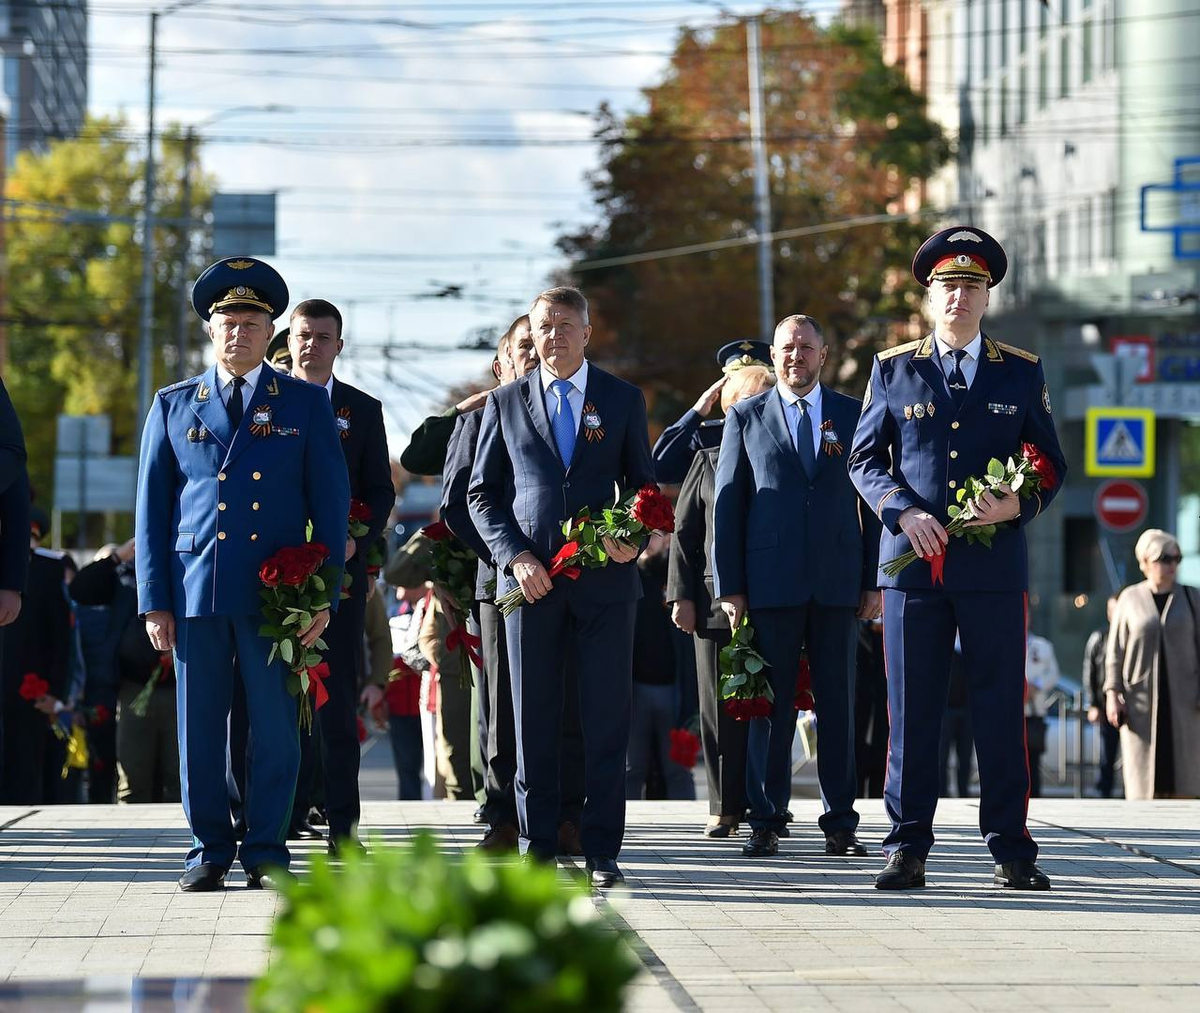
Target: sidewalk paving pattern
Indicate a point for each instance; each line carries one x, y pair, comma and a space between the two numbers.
90, 891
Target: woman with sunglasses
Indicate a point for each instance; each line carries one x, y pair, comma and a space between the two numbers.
1152, 675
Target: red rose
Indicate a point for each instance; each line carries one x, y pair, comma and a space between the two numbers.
437, 531
269, 572
653, 509
316, 553
804, 697
403, 692
166, 661
294, 571
684, 747
100, 715
33, 687
359, 511
1041, 465
742, 709
362, 730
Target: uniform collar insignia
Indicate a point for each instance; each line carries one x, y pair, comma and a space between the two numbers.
925, 351
993, 353
273, 387
203, 391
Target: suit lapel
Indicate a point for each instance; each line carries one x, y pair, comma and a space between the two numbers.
591, 396
535, 405
831, 412
773, 419
210, 409
243, 437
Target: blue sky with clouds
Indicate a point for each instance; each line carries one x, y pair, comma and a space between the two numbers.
419, 144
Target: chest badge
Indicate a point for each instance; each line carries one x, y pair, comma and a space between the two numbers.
260, 421
1046, 398
929, 409
593, 427
919, 410
908, 412
342, 418
830, 442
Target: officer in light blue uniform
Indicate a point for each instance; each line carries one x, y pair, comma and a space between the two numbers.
681, 441
234, 465
935, 411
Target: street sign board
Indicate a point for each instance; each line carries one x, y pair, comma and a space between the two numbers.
94, 484
1119, 442
1121, 505
1139, 349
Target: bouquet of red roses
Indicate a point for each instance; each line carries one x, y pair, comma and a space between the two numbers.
360, 513
297, 585
403, 692
642, 511
454, 566
1022, 476
685, 747
744, 687
165, 666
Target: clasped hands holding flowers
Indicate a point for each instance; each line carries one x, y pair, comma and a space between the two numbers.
930, 538
534, 579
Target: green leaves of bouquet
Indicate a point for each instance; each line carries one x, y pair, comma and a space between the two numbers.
411, 929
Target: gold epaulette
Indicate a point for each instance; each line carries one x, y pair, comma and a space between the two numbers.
1019, 352
908, 346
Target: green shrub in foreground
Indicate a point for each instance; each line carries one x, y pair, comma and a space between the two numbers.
410, 929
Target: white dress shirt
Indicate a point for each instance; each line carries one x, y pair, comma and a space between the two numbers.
970, 363
329, 387
578, 381
225, 379
813, 402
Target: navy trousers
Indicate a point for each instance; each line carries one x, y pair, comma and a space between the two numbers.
918, 635
206, 652
543, 638
829, 635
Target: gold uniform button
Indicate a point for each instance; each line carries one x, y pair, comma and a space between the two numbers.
953, 485
953, 425
221, 477
221, 535
253, 506
220, 506
256, 476
254, 537
954, 453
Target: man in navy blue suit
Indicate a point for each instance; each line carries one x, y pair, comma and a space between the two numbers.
792, 544
537, 465
234, 465
936, 411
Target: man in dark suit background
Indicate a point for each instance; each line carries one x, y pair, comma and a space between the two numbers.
537, 465
14, 525
315, 341
789, 545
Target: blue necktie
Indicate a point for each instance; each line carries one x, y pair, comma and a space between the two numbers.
562, 423
957, 380
800, 423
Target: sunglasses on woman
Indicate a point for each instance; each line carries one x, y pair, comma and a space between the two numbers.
1170, 560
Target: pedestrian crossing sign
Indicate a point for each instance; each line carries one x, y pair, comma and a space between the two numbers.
1120, 442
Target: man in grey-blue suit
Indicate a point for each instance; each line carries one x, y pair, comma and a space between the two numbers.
793, 545
557, 440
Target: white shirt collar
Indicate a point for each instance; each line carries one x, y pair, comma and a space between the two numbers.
329, 387
578, 379
226, 377
972, 349
812, 398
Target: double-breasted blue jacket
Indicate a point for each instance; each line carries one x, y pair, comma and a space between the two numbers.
913, 448
212, 504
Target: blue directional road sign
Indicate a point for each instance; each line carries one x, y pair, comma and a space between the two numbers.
1120, 442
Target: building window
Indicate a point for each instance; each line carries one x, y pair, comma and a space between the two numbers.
1003, 34
985, 116
1085, 57
1062, 243
970, 40
1086, 232
1064, 53
1043, 75
1022, 97
1003, 97
1023, 7
986, 38
1108, 227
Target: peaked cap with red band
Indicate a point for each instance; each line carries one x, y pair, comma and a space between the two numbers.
960, 252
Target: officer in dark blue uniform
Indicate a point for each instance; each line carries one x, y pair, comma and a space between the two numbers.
935, 411
14, 525
234, 465
679, 443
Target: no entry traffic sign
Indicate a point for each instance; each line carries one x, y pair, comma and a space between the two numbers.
1121, 505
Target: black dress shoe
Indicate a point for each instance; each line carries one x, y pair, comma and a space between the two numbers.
782, 831
316, 816
479, 816
304, 831
763, 842
721, 829
339, 847
268, 878
203, 879
902, 872
604, 872
1021, 875
787, 816
843, 842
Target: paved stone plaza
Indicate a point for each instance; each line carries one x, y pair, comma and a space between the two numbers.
90, 893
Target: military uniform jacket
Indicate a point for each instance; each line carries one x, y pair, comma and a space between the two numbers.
681, 442
913, 448
212, 504
359, 420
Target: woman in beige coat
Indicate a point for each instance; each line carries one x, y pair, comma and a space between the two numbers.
1152, 675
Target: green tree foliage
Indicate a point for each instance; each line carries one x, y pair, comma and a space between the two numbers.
74, 256
846, 138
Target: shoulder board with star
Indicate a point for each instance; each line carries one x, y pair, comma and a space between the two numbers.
1020, 353
891, 353
191, 381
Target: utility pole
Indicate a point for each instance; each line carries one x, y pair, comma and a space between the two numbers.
762, 183
183, 318
146, 338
